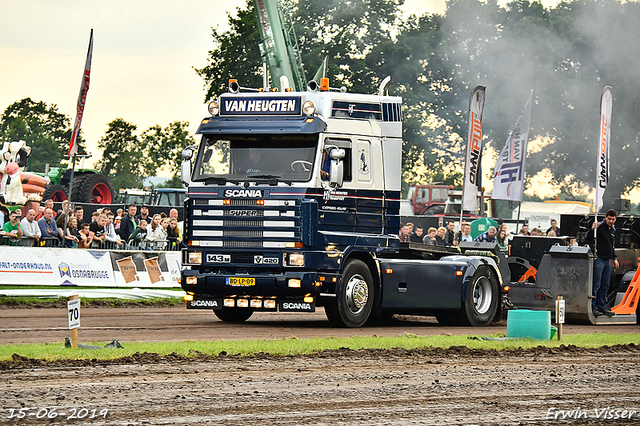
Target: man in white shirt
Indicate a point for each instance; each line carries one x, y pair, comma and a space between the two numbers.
30, 228
464, 234
110, 230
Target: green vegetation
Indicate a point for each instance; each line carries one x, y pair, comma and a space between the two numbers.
127, 157
294, 346
435, 60
61, 301
51, 302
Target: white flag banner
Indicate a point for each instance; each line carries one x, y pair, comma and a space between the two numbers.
473, 157
508, 175
602, 165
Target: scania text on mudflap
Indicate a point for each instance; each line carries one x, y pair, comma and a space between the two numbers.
293, 203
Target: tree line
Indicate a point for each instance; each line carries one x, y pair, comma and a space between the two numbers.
566, 53
127, 157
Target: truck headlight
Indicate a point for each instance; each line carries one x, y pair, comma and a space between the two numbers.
191, 280
294, 282
295, 259
194, 257
308, 108
213, 107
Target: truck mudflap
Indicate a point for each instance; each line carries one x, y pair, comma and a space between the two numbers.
216, 303
568, 272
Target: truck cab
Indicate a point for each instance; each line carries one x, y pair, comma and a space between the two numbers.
283, 189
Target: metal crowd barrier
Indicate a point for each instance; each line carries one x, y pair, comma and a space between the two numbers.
159, 245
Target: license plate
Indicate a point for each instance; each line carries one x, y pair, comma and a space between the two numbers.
241, 281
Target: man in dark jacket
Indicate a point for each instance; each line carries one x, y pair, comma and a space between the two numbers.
449, 236
603, 245
129, 223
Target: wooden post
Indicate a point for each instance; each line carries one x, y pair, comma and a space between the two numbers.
74, 330
560, 309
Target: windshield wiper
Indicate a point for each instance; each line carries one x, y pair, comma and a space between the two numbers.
272, 179
258, 176
219, 180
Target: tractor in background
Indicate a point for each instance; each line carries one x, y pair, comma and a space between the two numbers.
89, 186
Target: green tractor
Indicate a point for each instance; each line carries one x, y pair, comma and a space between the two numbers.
89, 186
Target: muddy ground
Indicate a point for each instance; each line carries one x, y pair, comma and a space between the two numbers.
343, 387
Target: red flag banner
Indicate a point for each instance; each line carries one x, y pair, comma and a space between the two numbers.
474, 151
82, 97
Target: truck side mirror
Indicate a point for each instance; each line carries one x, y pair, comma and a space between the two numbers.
185, 167
336, 169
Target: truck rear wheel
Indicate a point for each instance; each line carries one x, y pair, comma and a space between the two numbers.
482, 299
481, 302
353, 304
235, 315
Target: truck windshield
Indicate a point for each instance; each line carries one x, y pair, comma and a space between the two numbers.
286, 158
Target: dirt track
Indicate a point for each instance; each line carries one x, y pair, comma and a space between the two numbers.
397, 387
177, 323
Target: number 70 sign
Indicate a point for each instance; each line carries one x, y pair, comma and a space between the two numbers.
73, 313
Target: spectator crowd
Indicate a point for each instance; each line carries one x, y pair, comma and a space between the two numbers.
104, 230
447, 237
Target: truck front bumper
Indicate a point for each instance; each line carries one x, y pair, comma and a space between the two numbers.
290, 291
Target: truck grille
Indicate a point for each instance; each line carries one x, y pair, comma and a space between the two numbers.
245, 222
241, 244
234, 233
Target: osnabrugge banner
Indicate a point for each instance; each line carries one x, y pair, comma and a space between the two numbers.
88, 268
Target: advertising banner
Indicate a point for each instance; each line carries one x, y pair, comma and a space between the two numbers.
55, 266
146, 268
508, 178
472, 177
602, 163
88, 268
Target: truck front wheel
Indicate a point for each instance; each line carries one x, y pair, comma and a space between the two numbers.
235, 315
482, 299
352, 306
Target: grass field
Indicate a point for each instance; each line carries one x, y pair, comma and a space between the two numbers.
294, 346
290, 346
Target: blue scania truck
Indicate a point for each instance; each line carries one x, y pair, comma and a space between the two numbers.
293, 204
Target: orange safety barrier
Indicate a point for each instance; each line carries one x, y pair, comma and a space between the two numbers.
531, 272
629, 302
